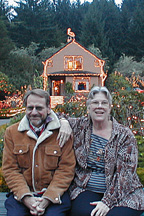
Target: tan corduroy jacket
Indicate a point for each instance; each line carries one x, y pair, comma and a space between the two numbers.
32, 164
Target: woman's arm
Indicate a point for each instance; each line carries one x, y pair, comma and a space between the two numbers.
123, 180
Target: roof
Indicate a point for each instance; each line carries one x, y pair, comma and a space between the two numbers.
78, 44
73, 73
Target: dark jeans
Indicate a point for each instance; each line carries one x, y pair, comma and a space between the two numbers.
16, 208
81, 206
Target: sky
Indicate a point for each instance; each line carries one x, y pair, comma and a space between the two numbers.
12, 2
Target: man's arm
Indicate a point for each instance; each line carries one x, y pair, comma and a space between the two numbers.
11, 170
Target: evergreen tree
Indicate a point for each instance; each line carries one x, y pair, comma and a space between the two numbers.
133, 28
93, 28
5, 42
101, 27
34, 22
63, 14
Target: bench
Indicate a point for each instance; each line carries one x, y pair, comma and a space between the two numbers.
2, 200
2, 208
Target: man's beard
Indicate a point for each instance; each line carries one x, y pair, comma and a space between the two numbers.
36, 122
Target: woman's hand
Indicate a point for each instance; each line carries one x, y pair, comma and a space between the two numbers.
64, 133
101, 209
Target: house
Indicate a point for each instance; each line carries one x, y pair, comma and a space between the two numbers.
75, 64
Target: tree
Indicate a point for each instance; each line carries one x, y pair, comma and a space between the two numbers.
132, 21
101, 27
5, 43
116, 82
126, 65
37, 80
49, 51
4, 9
93, 27
20, 67
34, 22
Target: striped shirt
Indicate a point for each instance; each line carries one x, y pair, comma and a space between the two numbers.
95, 162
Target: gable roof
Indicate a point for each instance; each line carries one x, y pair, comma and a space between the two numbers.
78, 44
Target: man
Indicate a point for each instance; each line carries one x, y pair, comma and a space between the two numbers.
37, 171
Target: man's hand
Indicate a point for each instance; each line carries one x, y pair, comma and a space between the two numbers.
43, 204
31, 203
37, 205
64, 133
101, 209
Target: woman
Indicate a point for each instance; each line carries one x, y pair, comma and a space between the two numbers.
105, 180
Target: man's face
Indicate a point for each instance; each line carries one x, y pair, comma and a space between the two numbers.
36, 110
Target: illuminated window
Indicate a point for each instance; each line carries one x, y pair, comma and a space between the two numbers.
81, 84
73, 63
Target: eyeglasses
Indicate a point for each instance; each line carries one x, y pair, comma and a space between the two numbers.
99, 103
38, 108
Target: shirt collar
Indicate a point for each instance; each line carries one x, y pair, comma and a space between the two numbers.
40, 129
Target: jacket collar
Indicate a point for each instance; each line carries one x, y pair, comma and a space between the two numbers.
54, 124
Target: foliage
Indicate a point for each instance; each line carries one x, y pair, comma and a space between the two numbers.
126, 65
5, 85
34, 22
101, 27
72, 109
2, 131
140, 172
140, 142
140, 169
128, 110
116, 82
37, 80
132, 19
68, 90
49, 51
16, 119
20, 66
10, 112
5, 42
3, 185
95, 50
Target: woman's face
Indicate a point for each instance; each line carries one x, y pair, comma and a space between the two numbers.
99, 108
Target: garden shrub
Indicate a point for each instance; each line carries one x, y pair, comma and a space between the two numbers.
3, 185
140, 172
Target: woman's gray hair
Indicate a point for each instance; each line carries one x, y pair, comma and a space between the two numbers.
96, 90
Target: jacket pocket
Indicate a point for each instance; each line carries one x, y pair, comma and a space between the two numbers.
51, 159
23, 155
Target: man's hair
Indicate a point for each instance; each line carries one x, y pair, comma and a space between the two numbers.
38, 92
96, 90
